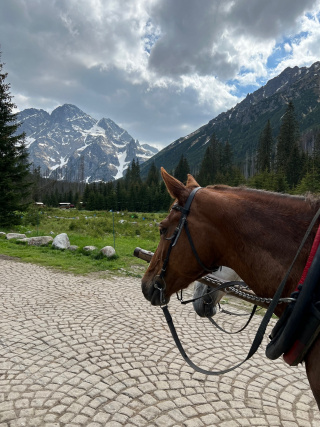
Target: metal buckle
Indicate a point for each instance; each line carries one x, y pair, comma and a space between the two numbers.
160, 284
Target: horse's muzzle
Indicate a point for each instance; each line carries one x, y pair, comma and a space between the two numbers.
155, 292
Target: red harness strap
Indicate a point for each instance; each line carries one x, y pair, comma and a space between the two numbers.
310, 259
299, 349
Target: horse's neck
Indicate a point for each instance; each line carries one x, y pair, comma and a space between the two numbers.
260, 239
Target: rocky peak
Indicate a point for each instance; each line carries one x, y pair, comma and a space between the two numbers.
70, 115
112, 130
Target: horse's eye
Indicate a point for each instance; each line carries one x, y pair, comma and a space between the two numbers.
163, 231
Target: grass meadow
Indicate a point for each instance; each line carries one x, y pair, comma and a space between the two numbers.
122, 230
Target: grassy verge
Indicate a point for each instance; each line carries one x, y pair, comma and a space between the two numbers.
83, 228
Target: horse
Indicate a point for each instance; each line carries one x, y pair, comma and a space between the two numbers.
206, 305
254, 232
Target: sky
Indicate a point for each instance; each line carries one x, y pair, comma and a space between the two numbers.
158, 68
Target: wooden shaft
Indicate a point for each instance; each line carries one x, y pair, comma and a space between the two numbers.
147, 255
143, 254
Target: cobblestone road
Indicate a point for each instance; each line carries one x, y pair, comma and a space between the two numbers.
77, 351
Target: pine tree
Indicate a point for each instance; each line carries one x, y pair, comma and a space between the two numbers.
153, 176
226, 158
316, 154
265, 149
14, 168
210, 167
128, 176
182, 169
288, 150
295, 166
205, 173
135, 172
311, 179
316, 148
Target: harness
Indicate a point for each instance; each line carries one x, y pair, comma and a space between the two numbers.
299, 325
160, 284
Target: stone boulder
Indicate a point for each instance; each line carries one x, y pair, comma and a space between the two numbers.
10, 236
73, 247
25, 240
40, 240
89, 248
108, 251
61, 241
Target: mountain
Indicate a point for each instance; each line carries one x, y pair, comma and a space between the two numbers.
70, 144
242, 124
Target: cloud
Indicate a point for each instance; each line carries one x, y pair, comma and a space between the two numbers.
160, 68
287, 47
305, 46
218, 38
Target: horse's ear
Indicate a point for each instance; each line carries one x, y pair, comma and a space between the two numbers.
176, 189
191, 182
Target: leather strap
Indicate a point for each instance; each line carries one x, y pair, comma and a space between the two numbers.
239, 330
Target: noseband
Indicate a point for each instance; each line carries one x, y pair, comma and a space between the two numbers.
159, 282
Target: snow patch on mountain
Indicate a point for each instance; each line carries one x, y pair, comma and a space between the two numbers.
122, 165
29, 140
69, 144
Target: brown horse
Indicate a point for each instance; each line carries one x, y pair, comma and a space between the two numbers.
256, 233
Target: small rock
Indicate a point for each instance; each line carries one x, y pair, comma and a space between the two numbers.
89, 248
10, 236
39, 240
73, 247
108, 251
25, 240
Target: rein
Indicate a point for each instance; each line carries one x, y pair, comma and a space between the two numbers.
265, 321
225, 287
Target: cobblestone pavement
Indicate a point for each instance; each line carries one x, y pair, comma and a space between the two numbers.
79, 351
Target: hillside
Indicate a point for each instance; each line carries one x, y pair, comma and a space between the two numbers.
242, 124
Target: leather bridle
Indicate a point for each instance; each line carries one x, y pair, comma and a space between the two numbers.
159, 281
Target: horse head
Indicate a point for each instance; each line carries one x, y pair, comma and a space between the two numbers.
176, 261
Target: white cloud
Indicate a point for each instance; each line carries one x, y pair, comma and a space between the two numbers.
213, 94
159, 67
287, 47
305, 45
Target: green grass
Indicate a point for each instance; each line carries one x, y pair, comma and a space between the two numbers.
87, 228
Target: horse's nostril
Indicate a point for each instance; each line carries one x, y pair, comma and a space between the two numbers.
159, 286
159, 283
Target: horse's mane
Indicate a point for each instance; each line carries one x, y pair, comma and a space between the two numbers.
309, 198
